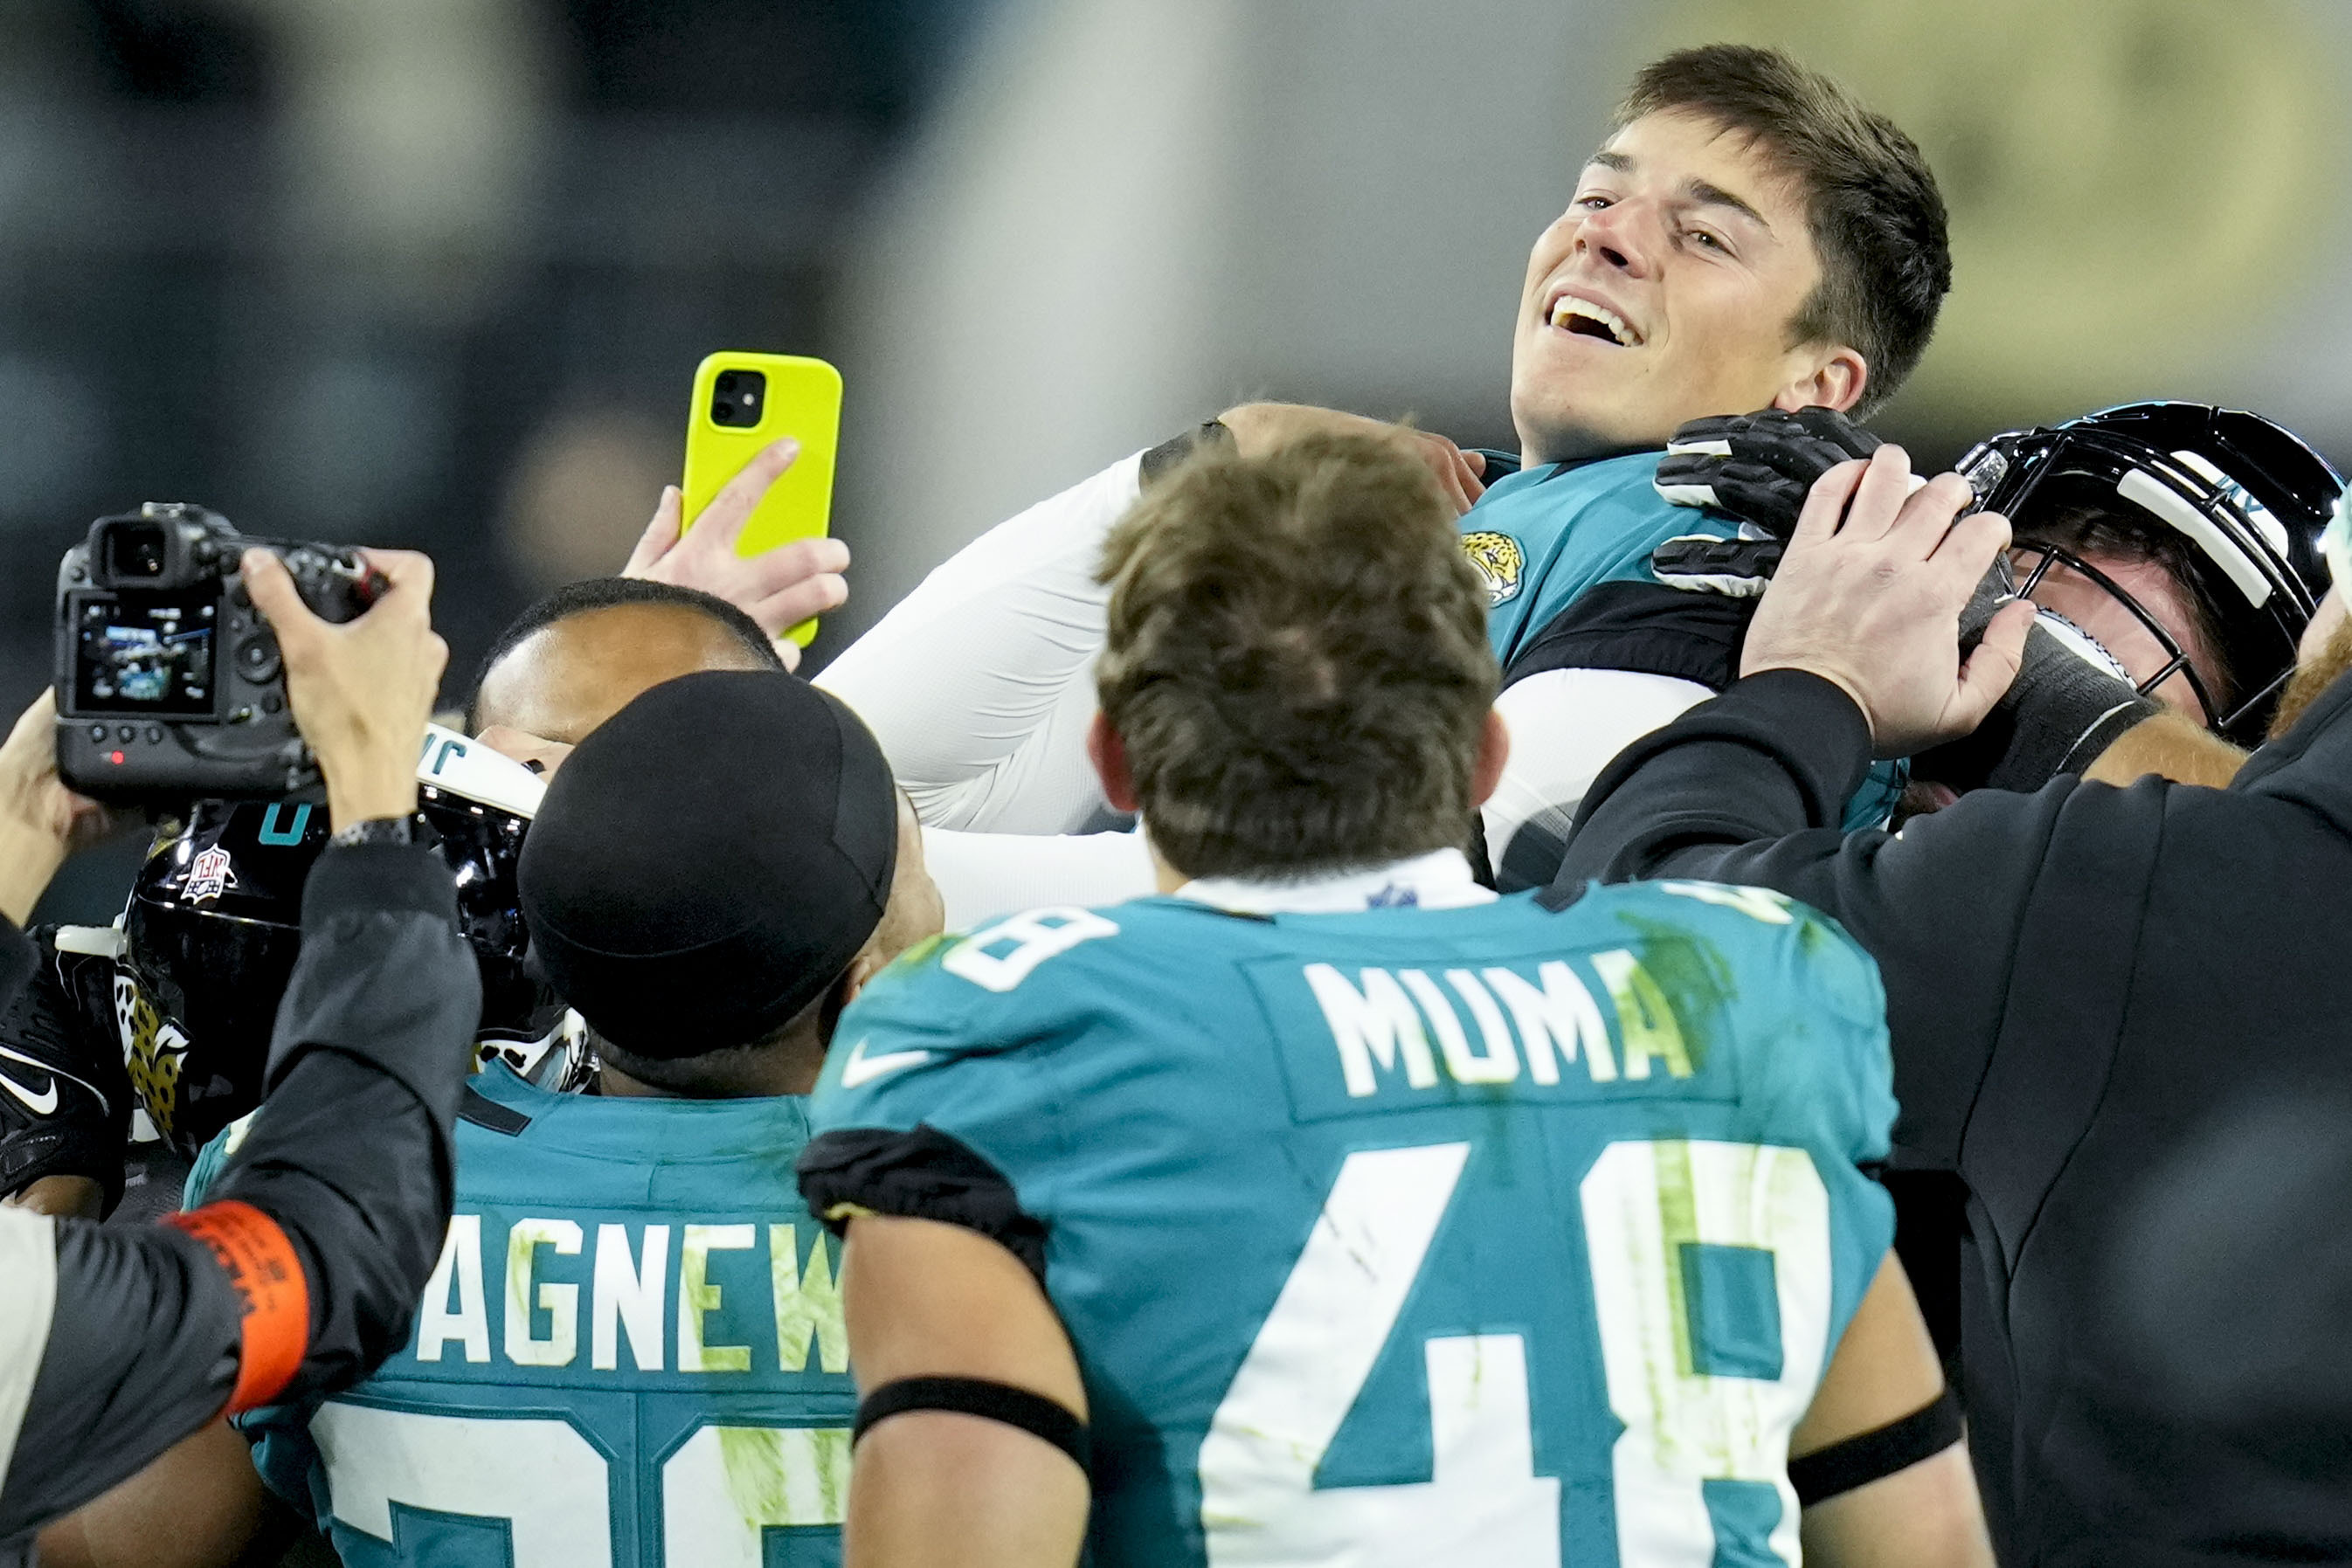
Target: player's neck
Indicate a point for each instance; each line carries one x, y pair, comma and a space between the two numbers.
1574, 443
788, 1066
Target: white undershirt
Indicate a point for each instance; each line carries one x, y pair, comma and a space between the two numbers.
979, 686
1439, 880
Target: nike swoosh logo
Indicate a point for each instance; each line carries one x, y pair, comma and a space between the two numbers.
863, 1069
41, 1105
104, 1104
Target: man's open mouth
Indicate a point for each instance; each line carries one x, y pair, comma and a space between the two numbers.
1589, 318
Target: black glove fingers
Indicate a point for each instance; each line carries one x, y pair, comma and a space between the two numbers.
1760, 496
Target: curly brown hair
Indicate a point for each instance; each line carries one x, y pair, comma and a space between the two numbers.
1296, 662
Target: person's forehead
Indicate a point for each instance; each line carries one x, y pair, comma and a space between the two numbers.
564, 680
1682, 148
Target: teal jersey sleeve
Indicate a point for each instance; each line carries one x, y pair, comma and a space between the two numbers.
1366, 1226
950, 1036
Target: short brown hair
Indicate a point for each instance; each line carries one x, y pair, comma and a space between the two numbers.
1877, 220
1296, 660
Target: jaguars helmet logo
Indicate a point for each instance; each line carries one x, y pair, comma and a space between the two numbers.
1499, 560
154, 1049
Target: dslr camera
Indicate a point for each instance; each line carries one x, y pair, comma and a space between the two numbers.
170, 688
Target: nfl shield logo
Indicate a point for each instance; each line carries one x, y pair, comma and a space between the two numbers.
208, 875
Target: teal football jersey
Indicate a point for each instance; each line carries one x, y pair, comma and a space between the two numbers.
1486, 1234
632, 1352
1545, 537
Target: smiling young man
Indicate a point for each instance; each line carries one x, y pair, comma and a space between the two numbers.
1749, 236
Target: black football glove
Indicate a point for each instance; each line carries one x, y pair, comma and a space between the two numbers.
1758, 467
2070, 701
65, 1097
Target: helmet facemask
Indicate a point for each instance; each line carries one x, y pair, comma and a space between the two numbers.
2228, 504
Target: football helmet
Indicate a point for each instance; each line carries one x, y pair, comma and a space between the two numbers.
214, 925
2247, 497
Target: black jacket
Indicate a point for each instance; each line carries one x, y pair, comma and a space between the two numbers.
133, 1341
2124, 1017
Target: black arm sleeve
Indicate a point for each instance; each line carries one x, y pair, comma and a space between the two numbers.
1746, 788
142, 1351
353, 1155
351, 1158
15, 961
48, 1046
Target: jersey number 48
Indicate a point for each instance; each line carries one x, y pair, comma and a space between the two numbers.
1643, 1203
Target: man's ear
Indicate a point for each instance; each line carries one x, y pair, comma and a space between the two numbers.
1108, 754
862, 968
1494, 751
1836, 382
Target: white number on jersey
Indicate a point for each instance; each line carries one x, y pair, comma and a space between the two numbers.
552, 1487
1642, 1203
1035, 937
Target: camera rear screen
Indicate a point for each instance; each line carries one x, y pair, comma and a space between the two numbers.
145, 654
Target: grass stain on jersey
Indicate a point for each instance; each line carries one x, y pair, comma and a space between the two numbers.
1694, 977
759, 1465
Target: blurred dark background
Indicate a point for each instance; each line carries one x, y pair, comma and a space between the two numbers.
433, 274
417, 273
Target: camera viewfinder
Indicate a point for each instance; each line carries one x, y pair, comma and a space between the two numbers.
135, 551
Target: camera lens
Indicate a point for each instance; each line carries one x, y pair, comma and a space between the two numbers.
735, 398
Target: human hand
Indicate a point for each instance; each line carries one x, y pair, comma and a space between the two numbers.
60, 1196
2068, 700
1758, 467
538, 753
778, 587
1873, 603
1260, 427
361, 690
41, 821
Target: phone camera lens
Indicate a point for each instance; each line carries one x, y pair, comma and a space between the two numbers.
727, 381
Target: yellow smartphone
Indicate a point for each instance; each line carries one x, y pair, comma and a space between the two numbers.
741, 403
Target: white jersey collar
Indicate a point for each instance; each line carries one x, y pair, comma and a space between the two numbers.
1439, 880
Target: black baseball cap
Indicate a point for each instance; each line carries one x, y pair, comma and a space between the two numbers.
709, 861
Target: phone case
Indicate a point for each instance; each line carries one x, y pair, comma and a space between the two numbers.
801, 399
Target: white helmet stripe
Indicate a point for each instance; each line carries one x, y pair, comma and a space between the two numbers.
2218, 548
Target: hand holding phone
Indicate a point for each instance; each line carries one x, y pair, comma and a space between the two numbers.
784, 587
744, 404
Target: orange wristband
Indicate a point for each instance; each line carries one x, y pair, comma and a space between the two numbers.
272, 1294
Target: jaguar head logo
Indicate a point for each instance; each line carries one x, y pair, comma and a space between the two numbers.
1499, 561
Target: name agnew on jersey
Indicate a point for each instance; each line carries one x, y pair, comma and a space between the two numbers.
688, 1298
